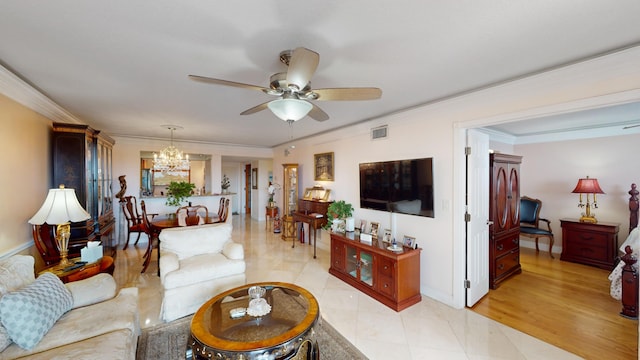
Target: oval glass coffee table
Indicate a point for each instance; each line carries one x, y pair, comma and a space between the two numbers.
224, 329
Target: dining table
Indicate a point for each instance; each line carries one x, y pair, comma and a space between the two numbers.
161, 222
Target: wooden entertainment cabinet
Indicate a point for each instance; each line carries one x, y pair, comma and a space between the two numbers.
393, 278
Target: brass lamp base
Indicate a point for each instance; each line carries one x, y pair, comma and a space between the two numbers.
63, 231
588, 219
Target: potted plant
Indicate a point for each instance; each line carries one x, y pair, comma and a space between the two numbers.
178, 191
225, 184
272, 192
339, 211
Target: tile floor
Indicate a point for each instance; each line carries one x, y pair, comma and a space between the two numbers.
427, 330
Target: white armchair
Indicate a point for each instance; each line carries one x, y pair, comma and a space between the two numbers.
197, 263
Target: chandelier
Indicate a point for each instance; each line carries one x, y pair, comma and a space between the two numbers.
170, 158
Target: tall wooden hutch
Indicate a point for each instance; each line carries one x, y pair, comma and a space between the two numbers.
82, 160
504, 214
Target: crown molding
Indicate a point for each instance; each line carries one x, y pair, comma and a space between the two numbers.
20, 91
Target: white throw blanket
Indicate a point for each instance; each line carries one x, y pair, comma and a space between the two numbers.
615, 277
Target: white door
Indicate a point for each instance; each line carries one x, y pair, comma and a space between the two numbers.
478, 209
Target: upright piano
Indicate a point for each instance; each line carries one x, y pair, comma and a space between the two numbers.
314, 213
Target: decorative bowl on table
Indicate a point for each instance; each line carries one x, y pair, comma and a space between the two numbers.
258, 307
256, 292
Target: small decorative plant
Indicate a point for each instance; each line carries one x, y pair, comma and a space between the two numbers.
225, 183
272, 191
338, 210
178, 191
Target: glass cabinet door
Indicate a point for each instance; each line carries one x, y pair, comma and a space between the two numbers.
366, 266
360, 265
352, 261
290, 189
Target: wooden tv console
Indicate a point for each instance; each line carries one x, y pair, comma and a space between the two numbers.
393, 278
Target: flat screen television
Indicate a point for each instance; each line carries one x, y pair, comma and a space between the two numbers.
401, 186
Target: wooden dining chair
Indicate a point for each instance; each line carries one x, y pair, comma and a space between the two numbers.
221, 206
134, 220
151, 234
224, 213
192, 215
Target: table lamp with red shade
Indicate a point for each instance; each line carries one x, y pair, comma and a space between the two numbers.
588, 186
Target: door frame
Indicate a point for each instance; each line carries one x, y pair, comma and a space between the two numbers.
459, 167
247, 189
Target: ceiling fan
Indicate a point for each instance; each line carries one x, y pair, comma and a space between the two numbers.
293, 88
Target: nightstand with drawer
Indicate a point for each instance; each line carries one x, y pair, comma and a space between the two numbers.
589, 244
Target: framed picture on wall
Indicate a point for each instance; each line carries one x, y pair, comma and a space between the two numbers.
165, 178
323, 167
254, 178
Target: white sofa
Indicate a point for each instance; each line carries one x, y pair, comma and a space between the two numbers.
197, 263
100, 324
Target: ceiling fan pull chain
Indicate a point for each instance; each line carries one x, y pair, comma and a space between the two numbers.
290, 122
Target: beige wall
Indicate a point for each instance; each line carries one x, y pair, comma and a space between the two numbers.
25, 158
551, 170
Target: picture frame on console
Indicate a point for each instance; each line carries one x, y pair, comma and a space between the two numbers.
308, 194
409, 241
387, 236
316, 193
363, 226
374, 229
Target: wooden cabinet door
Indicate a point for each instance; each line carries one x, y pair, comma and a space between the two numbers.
500, 197
385, 280
513, 197
337, 255
505, 197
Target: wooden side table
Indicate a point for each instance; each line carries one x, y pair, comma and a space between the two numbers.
272, 213
589, 244
104, 264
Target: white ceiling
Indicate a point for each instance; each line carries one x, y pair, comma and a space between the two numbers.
121, 66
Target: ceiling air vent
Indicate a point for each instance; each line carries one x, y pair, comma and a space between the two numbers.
380, 132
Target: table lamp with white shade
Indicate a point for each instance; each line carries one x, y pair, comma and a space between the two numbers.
60, 208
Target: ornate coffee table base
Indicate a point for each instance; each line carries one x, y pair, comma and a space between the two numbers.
215, 334
200, 351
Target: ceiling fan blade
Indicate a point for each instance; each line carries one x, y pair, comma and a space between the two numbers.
630, 126
348, 94
227, 83
255, 109
318, 114
302, 65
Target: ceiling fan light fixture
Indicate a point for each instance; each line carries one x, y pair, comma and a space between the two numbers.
290, 109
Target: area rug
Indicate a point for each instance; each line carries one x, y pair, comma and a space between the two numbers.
169, 342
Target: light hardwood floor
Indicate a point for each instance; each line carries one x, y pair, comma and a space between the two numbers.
564, 304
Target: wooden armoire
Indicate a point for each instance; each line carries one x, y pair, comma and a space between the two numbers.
504, 214
82, 160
